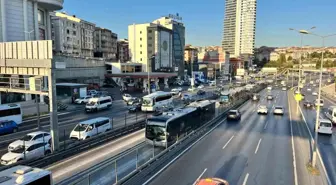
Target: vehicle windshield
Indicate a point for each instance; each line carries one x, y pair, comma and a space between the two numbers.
27, 138
19, 150
278, 107
325, 124
262, 107
147, 101
155, 132
232, 112
80, 127
91, 103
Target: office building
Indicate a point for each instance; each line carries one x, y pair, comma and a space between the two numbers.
66, 35
106, 43
122, 47
239, 27
151, 45
178, 30
26, 19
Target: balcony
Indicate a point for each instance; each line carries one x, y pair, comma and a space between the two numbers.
51, 5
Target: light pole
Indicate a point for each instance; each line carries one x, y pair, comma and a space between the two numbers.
152, 58
301, 32
314, 156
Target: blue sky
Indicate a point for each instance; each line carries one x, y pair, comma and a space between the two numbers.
204, 19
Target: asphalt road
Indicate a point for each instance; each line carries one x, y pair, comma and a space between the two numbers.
255, 150
326, 143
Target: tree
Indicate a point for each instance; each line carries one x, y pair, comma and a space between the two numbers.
290, 58
282, 58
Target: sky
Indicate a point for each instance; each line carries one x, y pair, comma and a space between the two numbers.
203, 19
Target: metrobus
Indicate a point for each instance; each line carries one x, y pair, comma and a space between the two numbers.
157, 100
11, 112
165, 129
25, 175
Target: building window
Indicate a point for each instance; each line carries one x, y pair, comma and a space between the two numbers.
68, 38
74, 25
140, 52
140, 59
149, 31
40, 17
149, 45
42, 34
140, 32
140, 45
140, 38
68, 32
149, 38
74, 32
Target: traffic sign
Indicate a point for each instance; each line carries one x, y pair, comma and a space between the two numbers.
298, 97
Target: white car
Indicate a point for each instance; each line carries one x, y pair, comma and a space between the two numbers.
284, 88
309, 89
325, 127
83, 100
126, 97
262, 109
269, 97
38, 136
269, 88
278, 110
176, 91
321, 103
314, 93
200, 87
31, 150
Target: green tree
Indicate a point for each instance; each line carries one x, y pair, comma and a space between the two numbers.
290, 58
282, 58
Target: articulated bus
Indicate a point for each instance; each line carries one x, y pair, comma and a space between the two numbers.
155, 101
11, 112
164, 130
25, 175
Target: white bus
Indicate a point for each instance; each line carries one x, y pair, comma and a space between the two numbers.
11, 112
155, 101
25, 175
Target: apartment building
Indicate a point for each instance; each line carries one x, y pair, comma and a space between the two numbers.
22, 20
239, 27
105, 43
151, 45
87, 38
66, 34
122, 47
190, 54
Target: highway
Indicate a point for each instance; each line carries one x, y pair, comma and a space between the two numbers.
255, 150
326, 143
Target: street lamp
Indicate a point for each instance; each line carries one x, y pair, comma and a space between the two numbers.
313, 160
152, 58
301, 32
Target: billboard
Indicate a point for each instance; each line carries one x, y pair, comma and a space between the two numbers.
165, 48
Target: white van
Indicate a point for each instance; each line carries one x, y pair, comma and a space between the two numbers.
331, 114
96, 104
325, 126
321, 102
90, 128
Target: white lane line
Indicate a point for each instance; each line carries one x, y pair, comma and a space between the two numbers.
293, 147
199, 177
256, 150
266, 125
228, 141
245, 179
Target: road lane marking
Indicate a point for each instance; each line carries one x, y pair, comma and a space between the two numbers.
256, 150
199, 177
228, 141
266, 125
293, 147
245, 179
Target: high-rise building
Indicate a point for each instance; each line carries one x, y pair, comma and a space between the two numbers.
87, 38
122, 47
178, 41
239, 26
151, 45
26, 19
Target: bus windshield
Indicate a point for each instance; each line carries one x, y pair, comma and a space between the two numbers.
147, 102
155, 132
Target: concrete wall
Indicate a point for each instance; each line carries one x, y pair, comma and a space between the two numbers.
80, 70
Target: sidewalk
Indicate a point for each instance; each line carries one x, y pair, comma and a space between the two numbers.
302, 148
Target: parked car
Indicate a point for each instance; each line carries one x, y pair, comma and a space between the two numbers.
308, 104
233, 115
126, 97
38, 136
83, 100
7, 127
31, 150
